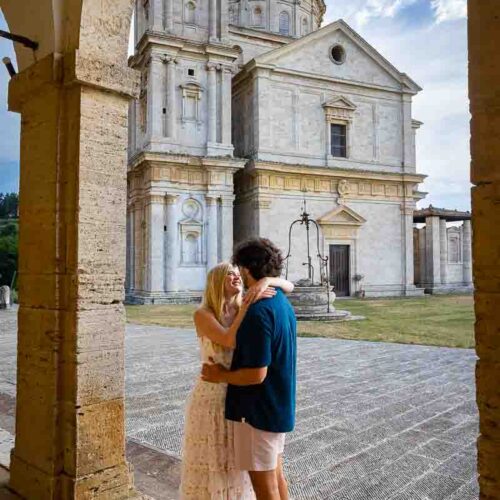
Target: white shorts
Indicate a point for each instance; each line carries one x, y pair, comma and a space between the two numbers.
256, 450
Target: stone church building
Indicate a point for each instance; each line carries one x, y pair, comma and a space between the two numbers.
247, 108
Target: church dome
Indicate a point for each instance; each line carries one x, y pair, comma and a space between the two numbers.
294, 18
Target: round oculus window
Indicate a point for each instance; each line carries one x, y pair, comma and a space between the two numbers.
337, 54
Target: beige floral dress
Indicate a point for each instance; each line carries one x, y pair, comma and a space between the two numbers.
207, 457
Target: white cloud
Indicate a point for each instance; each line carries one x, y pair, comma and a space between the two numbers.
380, 8
449, 10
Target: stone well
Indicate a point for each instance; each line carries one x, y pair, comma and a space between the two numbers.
315, 303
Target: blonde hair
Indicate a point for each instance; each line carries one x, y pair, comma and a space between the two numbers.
214, 296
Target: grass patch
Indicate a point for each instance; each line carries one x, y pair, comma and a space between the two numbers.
430, 320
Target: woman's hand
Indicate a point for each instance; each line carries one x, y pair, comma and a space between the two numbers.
260, 290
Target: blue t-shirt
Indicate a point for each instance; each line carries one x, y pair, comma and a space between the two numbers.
266, 337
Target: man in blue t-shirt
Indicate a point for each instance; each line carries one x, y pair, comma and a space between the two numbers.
261, 392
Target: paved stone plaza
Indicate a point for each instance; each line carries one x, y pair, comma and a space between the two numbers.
374, 421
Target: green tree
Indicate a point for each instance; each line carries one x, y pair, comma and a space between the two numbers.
9, 203
9, 236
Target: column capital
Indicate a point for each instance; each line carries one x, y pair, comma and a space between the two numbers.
211, 199
229, 68
227, 200
171, 199
211, 66
156, 198
169, 59
155, 57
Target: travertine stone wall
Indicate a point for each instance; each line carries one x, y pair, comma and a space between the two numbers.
484, 74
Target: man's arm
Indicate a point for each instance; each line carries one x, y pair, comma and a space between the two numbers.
244, 376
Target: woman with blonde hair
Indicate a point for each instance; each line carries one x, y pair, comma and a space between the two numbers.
208, 470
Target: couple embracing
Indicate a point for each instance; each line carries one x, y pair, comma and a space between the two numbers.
244, 403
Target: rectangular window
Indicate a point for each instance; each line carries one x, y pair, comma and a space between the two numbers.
338, 140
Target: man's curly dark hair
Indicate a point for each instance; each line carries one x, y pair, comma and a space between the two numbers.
260, 256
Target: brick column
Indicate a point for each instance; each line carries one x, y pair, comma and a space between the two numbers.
70, 432
484, 73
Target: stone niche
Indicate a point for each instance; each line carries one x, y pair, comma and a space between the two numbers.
191, 229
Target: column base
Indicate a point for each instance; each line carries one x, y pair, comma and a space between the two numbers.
150, 298
30, 482
216, 149
449, 289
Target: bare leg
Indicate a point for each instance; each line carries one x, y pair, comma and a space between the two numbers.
265, 484
280, 476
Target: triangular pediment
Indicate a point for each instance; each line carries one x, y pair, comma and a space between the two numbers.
340, 102
341, 215
309, 55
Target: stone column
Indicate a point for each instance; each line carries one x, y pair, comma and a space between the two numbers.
212, 20
155, 98
212, 232
467, 253
169, 15
422, 252
227, 227
172, 247
171, 118
70, 432
484, 68
432, 247
227, 74
212, 103
443, 245
156, 218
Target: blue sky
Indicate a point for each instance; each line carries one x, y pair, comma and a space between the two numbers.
425, 38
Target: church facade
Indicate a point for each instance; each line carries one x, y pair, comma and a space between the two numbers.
248, 108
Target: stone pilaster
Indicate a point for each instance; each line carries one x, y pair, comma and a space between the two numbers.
70, 429
443, 244
467, 253
212, 104
171, 104
156, 217
156, 85
224, 20
157, 14
227, 227
212, 20
432, 250
407, 225
130, 271
227, 74
212, 232
169, 15
172, 247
